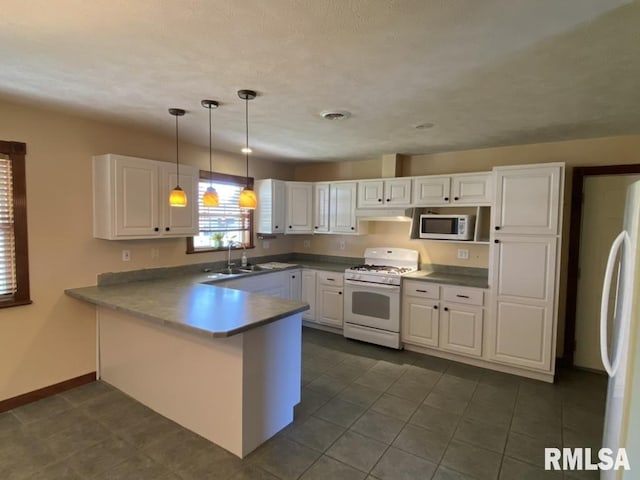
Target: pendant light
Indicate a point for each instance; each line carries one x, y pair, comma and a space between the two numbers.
177, 198
247, 198
210, 197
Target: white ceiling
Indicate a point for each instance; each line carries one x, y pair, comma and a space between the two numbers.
486, 73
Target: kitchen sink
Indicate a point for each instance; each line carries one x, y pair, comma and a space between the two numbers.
252, 268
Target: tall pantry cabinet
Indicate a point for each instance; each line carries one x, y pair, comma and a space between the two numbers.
526, 236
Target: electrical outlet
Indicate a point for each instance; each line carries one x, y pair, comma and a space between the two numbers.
342, 245
265, 244
463, 254
307, 243
155, 252
126, 255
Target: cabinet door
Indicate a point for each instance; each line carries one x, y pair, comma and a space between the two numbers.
343, 204
527, 200
299, 207
420, 321
270, 214
179, 221
473, 189
461, 329
431, 191
308, 294
295, 284
329, 305
397, 192
136, 197
521, 331
370, 193
321, 205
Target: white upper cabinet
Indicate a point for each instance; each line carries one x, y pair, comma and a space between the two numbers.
321, 204
527, 199
472, 189
343, 205
299, 217
462, 189
390, 192
131, 198
270, 214
431, 191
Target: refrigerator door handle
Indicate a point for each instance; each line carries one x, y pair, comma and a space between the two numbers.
623, 237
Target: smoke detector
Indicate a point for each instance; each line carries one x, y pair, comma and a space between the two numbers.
335, 114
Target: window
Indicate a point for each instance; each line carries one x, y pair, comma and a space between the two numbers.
14, 260
226, 222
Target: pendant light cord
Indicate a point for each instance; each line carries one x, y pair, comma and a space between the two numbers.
246, 121
210, 164
177, 151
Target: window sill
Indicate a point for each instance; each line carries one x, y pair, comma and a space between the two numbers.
12, 303
221, 249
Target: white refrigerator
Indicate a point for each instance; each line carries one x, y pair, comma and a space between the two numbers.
620, 348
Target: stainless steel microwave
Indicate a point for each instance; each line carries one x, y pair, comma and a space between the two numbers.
447, 227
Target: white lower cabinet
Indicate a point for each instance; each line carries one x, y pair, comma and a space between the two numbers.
308, 294
443, 317
329, 298
522, 327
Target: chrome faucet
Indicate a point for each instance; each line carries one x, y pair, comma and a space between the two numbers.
229, 263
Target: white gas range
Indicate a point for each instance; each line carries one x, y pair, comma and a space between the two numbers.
372, 295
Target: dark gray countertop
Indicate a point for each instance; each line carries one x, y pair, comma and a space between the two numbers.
183, 302
448, 278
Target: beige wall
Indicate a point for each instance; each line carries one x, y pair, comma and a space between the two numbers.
54, 338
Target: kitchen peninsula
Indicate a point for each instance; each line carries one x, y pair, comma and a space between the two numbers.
224, 363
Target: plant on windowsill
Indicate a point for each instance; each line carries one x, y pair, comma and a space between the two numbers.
217, 239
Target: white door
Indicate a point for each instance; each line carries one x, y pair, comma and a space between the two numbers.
461, 329
522, 326
473, 189
179, 221
420, 321
397, 192
136, 197
329, 304
602, 219
527, 200
343, 203
431, 191
321, 203
299, 207
370, 193
308, 294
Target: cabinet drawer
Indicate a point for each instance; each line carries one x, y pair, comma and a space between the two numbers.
421, 289
469, 296
330, 278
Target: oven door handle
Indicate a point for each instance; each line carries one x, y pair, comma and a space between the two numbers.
372, 285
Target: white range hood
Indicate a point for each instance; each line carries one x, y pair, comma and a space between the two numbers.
384, 214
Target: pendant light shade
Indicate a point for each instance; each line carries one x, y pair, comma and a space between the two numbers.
178, 197
210, 197
247, 198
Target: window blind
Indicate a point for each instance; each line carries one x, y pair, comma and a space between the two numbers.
227, 216
8, 285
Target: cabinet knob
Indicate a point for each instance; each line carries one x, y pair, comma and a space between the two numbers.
388, 199
293, 276
166, 229
496, 241
276, 227
379, 199
446, 199
456, 199
157, 229
353, 228
497, 227
435, 307
339, 293
446, 309
289, 226
316, 227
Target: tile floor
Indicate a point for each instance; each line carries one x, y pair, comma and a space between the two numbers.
366, 413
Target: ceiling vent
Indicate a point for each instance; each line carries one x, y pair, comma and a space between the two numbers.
335, 115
